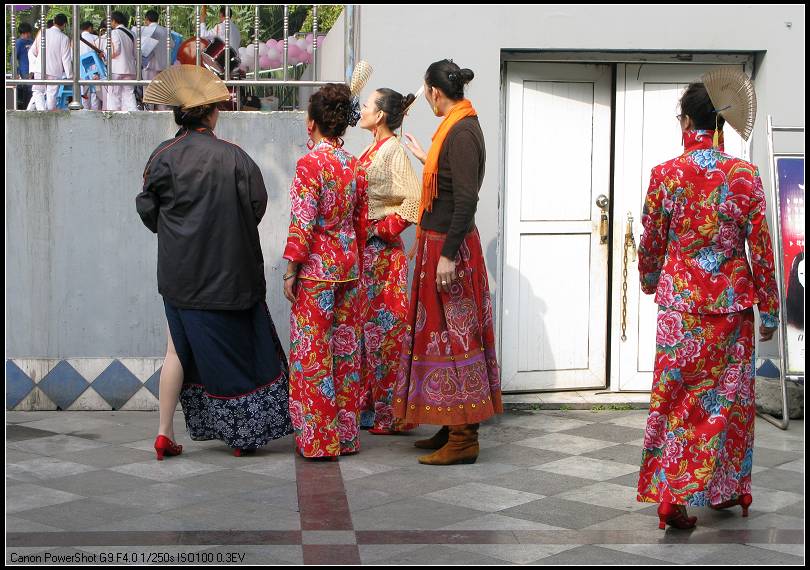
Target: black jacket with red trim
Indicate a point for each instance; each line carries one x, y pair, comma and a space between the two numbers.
204, 197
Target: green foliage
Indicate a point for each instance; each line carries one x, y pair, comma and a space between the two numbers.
610, 407
327, 16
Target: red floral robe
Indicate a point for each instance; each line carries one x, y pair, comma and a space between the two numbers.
701, 209
385, 288
327, 237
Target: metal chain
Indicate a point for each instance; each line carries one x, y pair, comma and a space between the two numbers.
629, 241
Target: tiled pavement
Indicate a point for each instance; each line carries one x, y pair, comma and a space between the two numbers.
550, 487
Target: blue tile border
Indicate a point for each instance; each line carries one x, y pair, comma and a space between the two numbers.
18, 385
116, 385
63, 385
153, 384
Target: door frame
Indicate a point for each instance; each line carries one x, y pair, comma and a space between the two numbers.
615, 58
593, 376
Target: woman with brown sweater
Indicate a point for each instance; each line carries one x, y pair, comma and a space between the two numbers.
448, 373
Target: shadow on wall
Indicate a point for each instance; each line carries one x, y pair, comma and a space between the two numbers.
530, 350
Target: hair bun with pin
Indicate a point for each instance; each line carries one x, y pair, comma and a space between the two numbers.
407, 101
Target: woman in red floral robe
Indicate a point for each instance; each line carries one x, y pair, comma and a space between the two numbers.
324, 247
700, 210
393, 194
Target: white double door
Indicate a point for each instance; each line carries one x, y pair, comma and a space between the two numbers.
560, 144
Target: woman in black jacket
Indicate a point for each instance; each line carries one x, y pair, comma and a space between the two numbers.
204, 197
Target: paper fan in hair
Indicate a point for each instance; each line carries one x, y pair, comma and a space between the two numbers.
185, 86
733, 97
360, 76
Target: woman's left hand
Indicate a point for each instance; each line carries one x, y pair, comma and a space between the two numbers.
445, 274
766, 333
291, 282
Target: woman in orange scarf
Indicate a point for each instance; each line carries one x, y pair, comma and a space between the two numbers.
448, 372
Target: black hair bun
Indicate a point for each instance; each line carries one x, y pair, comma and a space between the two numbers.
466, 75
407, 100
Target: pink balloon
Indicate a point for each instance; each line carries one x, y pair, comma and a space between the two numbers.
320, 40
262, 49
309, 38
294, 54
264, 62
271, 43
275, 62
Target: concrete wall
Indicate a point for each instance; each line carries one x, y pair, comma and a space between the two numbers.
401, 42
80, 266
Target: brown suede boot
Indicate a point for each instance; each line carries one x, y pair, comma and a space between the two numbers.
438, 441
462, 447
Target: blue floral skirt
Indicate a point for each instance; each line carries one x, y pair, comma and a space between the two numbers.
235, 375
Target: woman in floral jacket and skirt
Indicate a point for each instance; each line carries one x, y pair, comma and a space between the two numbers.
393, 195
324, 250
700, 210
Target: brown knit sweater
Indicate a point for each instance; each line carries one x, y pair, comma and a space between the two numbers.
461, 172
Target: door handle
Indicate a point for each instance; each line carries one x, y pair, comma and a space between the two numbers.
603, 202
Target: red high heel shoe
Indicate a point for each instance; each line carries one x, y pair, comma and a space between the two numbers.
398, 430
674, 515
165, 446
239, 452
743, 500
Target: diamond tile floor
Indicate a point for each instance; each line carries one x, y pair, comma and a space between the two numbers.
550, 487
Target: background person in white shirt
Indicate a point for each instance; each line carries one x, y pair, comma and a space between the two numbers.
153, 49
90, 98
120, 97
58, 59
156, 58
37, 102
219, 31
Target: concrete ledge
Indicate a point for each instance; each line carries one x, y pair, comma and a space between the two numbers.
577, 400
769, 397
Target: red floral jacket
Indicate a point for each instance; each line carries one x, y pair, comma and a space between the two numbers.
329, 206
700, 210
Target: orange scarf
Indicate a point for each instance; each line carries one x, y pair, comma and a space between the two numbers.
430, 174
